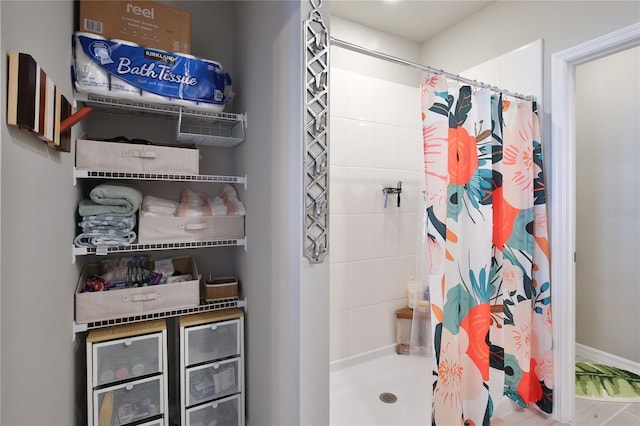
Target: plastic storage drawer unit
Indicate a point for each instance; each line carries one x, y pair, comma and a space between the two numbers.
226, 412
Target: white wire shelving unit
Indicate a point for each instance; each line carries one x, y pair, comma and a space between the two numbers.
193, 126
169, 177
203, 307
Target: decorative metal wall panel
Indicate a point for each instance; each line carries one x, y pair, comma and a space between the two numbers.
316, 136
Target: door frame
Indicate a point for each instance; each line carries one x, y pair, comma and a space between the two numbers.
562, 204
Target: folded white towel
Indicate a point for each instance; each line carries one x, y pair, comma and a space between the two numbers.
156, 206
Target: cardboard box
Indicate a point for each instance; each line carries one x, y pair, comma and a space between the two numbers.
146, 23
126, 302
100, 155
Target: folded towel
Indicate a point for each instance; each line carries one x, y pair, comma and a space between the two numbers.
104, 238
228, 203
111, 198
193, 204
156, 206
106, 223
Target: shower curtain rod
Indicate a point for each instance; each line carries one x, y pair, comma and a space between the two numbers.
354, 47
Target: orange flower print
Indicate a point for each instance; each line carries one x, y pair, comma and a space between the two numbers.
504, 216
476, 324
463, 156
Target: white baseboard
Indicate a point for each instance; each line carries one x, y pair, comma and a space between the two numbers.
596, 355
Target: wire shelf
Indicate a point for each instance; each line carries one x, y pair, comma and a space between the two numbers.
115, 174
228, 242
200, 127
203, 307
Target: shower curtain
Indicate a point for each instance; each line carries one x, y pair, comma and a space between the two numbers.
487, 252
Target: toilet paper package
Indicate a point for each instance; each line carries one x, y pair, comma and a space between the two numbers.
123, 69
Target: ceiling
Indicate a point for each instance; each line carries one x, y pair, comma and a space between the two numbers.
416, 20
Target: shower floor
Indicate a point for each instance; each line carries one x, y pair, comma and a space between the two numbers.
356, 388
355, 391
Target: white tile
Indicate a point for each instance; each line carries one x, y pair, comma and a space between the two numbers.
339, 129
364, 193
360, 237
338, 239
623, 419
387, 233
521, 69
411, 233
409, 114
339, 338
370, 327
372, 99
392, 277
594, 412
338, 190
387, 152
529, 417
633, 409
338, 98
411, 150
488, 72
361, 143
361, 283
338, 286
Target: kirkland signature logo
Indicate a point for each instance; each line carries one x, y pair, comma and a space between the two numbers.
160, 56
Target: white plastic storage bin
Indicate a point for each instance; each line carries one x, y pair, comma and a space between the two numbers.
212, 341
212, 368
127, 358
226, 412
129, 402
213, 381
102, 155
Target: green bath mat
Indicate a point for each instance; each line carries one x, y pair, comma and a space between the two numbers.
606, 383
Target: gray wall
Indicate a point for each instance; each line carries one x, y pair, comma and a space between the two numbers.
38, 203
288, 299
608, 204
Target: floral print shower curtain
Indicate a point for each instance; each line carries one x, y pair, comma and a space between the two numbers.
488, 252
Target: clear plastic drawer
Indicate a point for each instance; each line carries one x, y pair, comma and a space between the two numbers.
223, 412
129, 402
212, 341
127, 358
159, 422
213, 381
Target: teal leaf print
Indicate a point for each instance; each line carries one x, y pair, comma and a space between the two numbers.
439, 108
481, 286
512, 371
454, 206
440, 227
457, 306
480, 188
520, 238
458, 116
539, 190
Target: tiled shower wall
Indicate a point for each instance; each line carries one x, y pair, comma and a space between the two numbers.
375, 142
